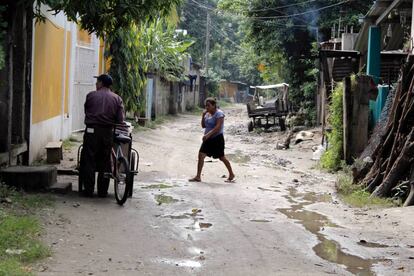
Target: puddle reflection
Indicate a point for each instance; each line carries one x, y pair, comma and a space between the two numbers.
315, 223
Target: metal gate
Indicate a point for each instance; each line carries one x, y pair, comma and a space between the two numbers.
86, 67
149, 98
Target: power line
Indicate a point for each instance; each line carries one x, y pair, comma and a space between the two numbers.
280, 16
204, 6
282, 7
301, 13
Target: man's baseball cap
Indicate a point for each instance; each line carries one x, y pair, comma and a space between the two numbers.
105, 79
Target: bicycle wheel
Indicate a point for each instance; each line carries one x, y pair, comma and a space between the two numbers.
121, 184
131, 175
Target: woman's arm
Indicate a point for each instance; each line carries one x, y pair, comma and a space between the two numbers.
215, 130
203, 123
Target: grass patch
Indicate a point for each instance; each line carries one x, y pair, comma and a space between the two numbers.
223, 104
19, 236
151, 124
195, 110
68, 144
12, 267
20, 230
331, 159
71, 142
356, 196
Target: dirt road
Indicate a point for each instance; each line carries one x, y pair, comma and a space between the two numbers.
281, 217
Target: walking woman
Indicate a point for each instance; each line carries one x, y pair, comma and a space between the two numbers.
213, 140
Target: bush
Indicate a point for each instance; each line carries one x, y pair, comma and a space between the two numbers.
331, 160
356, 196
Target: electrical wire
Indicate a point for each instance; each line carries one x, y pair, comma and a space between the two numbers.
301, 13
282, 7
280, 16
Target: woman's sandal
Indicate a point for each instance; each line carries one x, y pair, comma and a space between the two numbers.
232, 180
194, 179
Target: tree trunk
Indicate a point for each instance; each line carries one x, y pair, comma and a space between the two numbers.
410, 199
399, 168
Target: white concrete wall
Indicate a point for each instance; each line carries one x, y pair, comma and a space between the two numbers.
41, 134
60, 127
348, 41
162, 97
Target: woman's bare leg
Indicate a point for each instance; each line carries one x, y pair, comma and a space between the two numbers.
201, 157
228, 166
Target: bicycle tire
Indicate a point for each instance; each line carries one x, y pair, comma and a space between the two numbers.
80, 177
131, 175
122, 186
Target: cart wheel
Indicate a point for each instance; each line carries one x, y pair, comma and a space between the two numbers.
131, 175
282, 124
80, 177
122, 188
80, 183
250, 126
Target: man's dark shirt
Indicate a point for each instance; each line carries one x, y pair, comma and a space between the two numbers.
103, 108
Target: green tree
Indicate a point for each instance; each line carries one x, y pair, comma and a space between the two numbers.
136, 51
283, 33
102, 17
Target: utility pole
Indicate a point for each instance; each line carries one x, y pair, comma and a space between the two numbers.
221, 57
207, 42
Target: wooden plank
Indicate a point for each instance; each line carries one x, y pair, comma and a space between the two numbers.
360, 116
54, 145
385, 14
347, 119
15, 151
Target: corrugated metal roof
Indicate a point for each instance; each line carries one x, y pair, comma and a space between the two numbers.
280, 85
379, 7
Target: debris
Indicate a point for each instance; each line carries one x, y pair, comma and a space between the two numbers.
295, 180
6, 200
303, 136
318, 152
76, 205
205, 225
260, 220
264, 189
15, 251
43, 268
195, 211
368, 159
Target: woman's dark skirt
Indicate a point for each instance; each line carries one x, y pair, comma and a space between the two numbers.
213, 147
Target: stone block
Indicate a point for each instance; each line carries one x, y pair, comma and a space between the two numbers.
30, 179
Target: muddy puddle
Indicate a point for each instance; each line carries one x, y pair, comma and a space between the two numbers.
157, 186
238, 157
315, 223
372, 244
164, 199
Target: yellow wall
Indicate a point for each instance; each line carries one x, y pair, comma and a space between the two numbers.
84, 37
101, 56
228, 87
47, 71
68, 59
